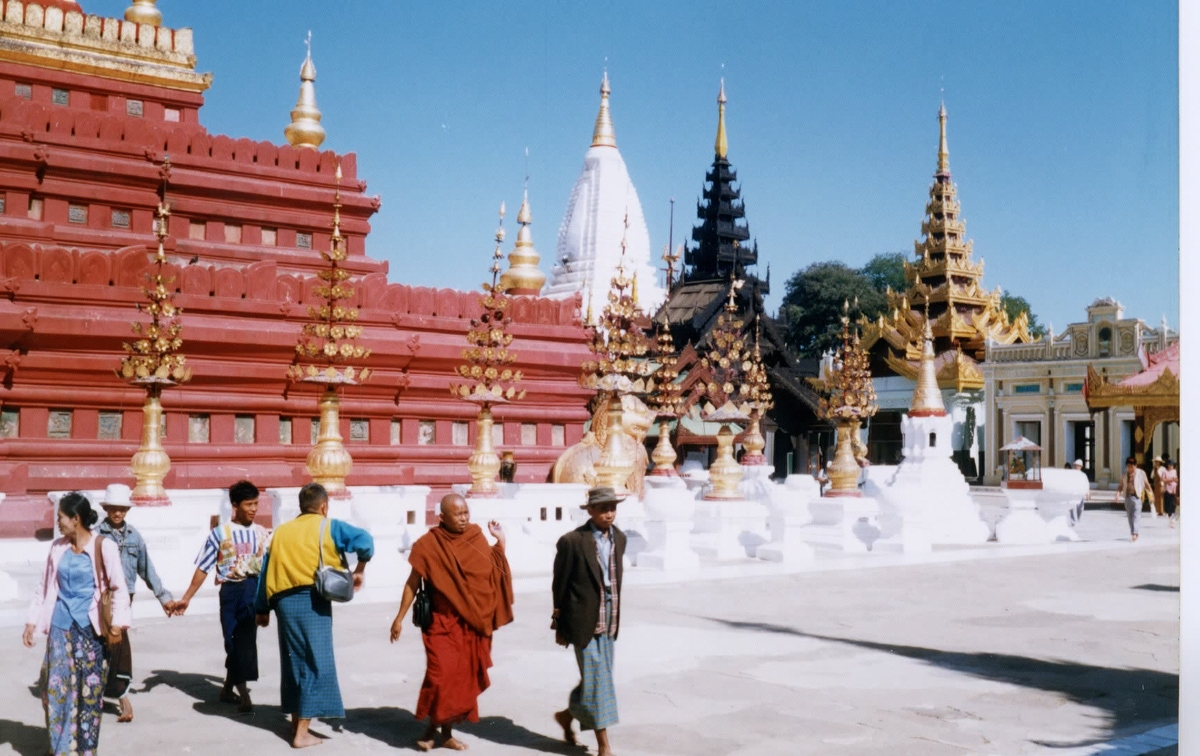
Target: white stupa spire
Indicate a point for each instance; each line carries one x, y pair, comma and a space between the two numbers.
589, 240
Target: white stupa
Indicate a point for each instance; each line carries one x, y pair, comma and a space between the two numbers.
603, 201
928, 489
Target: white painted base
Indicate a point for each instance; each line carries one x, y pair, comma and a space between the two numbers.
669, 507
735, 528
847, 524
534, 516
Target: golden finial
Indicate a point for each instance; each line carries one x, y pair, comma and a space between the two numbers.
306, 130
943, 150
604, 135
722, 145
633, 292
336, 239
144, 12
523, 276
589, 318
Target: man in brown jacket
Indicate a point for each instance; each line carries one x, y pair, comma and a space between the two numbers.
587, 599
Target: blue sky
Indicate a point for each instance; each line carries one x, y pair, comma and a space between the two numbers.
1063, 125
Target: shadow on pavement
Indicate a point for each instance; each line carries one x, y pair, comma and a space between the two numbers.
1127, 696
398, 729
206, 688
26, 740
1157, 587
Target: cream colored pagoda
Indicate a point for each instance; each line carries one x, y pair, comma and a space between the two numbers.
590, 238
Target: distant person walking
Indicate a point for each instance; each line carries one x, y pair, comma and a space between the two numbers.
308, 686
236, 550
470, 589
1170, 486
1156, 487
135, 562
1133, 487
66, 605
587, 598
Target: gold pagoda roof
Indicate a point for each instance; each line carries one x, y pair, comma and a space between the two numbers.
947, 283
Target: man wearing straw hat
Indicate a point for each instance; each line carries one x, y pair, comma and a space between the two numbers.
135, 561
587, 599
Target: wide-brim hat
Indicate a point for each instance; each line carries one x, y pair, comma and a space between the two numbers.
603, 495
1079, 463
117, 495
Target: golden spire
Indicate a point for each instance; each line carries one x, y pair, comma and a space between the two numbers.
927, 397
943, 150
604, 135
306, 130
722, 145
144, 12
523, 276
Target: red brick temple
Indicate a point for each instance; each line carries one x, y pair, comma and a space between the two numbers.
91, 111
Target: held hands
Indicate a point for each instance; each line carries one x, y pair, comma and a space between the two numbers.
177, 608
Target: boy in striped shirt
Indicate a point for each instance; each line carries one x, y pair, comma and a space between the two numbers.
236, 550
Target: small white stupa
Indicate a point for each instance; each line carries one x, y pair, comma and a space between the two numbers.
928, 489
589, 240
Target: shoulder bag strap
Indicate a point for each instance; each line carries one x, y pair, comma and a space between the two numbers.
321, 546
100, 565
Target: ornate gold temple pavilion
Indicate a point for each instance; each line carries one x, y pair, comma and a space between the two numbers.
1153, 393
963, 314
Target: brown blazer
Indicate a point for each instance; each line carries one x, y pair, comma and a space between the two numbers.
577, 583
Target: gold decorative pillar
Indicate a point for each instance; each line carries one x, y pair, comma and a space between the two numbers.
664, 455
725, 473
150, 464
329, 463
615, 464
753, 442
843, 471
484, 463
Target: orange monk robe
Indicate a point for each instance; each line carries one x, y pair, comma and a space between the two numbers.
472, 596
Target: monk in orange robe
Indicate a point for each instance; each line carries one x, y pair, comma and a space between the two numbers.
470, 585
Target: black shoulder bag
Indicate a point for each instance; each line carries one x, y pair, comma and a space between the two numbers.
422, 607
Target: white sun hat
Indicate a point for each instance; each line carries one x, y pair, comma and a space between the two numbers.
116, 495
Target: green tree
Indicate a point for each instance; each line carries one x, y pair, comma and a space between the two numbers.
886, 270
812, 304
1014, 306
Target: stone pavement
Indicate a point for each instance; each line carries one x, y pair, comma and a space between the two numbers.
1072, 651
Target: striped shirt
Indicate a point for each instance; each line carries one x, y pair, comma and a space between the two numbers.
606, 623
235, 550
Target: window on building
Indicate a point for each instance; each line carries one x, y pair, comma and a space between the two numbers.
10, 422
171, 114
1073, 388
120, 219
197, 229
268, 237
1, 206
314, 431
285, 430
59, 423
360, 430
394, 433
109, 428
243, 429
77, 213
198, 429
458, 434
1105, 337
528, 434
233, 234
1027, 388
35, 208
24, 91
304, 241
60, 96
134, 108
426, 432
558, 435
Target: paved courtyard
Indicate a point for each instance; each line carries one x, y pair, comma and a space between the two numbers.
1052, 653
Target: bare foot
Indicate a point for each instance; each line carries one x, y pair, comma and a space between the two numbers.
126, 711
425, 745
564, 721
454, 744
306, 740
1135, 535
